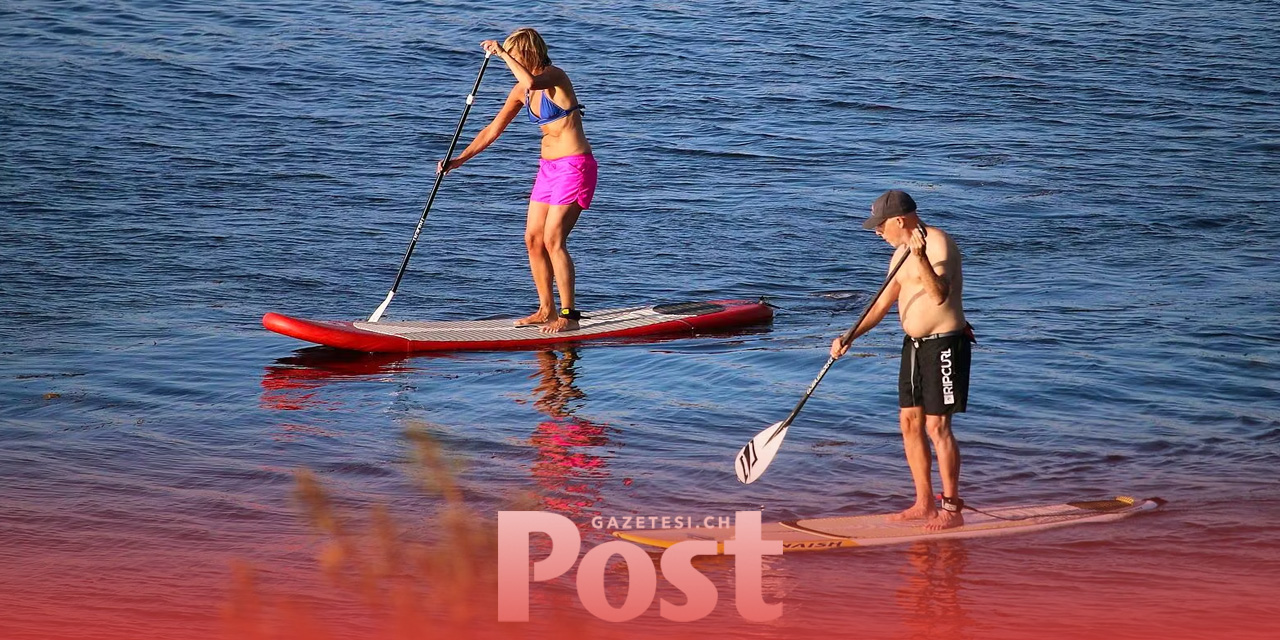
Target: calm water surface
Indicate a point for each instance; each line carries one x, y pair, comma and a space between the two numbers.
172, 170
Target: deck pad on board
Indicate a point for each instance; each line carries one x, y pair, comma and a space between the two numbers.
859, 531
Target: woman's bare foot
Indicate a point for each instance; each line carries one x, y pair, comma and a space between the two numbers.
538, 317
917, 512
944, 520
559, 324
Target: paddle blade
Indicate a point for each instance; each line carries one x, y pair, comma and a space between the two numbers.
382, 308
756, 456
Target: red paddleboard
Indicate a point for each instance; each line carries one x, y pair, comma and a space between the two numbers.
485, 335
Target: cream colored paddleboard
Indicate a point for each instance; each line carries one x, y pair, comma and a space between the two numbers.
860, 531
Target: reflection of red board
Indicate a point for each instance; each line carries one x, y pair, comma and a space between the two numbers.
482, 335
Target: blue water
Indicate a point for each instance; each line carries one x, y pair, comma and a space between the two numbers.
169, 171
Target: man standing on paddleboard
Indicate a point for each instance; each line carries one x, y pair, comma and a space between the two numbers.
933, 382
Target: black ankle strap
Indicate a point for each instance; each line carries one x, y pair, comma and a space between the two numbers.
570, 314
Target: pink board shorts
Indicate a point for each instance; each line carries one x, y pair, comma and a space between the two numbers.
565, 180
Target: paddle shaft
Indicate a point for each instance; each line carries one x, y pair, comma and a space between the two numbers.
844, 340
417, 231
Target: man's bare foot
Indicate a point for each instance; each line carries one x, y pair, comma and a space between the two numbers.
944, 520
918, 512
559, 324
537, 317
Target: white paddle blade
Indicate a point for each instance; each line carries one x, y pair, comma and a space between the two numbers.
756, 456
382, 308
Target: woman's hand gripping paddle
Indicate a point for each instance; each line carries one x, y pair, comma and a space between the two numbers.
471, 98
755, 457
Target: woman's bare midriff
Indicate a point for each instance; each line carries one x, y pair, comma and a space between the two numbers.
564, 138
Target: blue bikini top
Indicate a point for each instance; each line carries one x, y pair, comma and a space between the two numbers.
549, 109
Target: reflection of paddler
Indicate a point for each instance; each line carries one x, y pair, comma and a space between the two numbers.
555, 388
929, 598
568, 473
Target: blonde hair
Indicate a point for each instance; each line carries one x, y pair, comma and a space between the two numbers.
526, 45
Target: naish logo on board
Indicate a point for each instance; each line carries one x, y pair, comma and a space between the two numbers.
809, 546
516, 531
948, 387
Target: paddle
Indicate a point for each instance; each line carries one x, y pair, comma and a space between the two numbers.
757, 454
404, 264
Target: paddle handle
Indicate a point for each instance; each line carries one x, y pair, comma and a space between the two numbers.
435, 188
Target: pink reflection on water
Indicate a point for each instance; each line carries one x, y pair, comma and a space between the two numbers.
568, 472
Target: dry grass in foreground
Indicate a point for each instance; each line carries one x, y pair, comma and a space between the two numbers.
408, 589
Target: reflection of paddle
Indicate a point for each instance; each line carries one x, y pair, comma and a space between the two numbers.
434, 188
756, 456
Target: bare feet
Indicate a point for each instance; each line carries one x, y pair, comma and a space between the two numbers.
559, 324
917, 512
538, 317
944, 520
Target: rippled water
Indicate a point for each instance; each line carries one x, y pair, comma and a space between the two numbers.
171, 171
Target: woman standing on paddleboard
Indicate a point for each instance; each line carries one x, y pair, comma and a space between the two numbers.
566, 174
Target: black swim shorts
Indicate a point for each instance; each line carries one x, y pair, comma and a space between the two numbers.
935, 372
